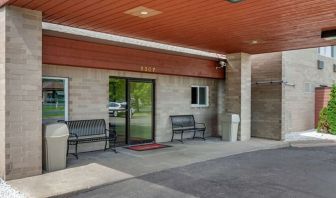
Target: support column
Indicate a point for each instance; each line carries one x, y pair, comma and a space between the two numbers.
237, 91
20, 92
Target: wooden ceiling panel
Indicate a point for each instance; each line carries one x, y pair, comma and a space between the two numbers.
212, 25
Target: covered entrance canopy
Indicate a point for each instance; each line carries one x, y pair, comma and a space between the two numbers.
251, 26
28, 51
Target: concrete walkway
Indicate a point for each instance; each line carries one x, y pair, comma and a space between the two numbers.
310, 138
96, 169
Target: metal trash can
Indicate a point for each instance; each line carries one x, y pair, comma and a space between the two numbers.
230, 127
55, 140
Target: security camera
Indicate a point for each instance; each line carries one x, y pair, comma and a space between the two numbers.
222, 64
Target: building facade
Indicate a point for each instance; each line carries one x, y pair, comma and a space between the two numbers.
283, 89
47, 78
135, 63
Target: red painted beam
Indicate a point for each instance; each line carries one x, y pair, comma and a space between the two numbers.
62, 51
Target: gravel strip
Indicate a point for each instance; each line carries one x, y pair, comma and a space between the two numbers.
8, 192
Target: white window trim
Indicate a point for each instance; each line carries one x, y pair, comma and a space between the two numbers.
206, 98
66, 94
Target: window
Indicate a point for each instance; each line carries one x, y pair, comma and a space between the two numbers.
54, 99
199, 96
329, 51
320, 64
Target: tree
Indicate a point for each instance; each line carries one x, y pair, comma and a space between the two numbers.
331, 111
323, 125
141, 94
117, 90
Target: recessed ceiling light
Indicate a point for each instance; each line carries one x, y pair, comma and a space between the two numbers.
142, 12
254, 42
234, 1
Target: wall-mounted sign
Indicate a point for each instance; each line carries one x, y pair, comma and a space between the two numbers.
148, 69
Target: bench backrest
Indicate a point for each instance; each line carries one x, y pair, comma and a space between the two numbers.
86, 127
179, 121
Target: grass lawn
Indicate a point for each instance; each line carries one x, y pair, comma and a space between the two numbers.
51, 111
140, 126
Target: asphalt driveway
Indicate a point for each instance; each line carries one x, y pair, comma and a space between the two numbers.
288, 172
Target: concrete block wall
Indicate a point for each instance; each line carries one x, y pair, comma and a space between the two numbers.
88, 97
277, 110
88, 94
266, 98
322, 97
237, 92
20, 78
300, 68
220, 106
2, 92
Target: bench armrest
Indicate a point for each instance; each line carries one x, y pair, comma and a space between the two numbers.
73, 135
203, 124
111, 132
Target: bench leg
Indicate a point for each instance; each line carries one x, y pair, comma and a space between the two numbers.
105, 144
114, 145
76, 149
194, 134
203, 135
182, 137
172, 139
67, 149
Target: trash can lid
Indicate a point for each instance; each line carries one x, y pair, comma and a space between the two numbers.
235, 118
231, 117
56, 129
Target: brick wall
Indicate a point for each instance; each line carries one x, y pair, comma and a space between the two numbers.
322, 96
88, 97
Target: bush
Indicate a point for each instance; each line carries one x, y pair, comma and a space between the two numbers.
331, 111
323, 125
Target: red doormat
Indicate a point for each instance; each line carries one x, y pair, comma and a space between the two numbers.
146, 147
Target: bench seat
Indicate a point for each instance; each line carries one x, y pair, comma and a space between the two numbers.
186, 123
88, 131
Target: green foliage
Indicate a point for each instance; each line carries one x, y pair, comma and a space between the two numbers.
117, 90
140, 93
323, 125
331, 111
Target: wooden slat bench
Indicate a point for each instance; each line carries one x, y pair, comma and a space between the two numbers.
186, 123
88, 131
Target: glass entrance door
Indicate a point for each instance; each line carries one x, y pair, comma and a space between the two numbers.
131, 110
118, 108
141, 111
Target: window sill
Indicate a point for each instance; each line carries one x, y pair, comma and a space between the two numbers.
199, 106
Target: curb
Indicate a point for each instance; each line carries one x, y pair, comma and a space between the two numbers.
312, 143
